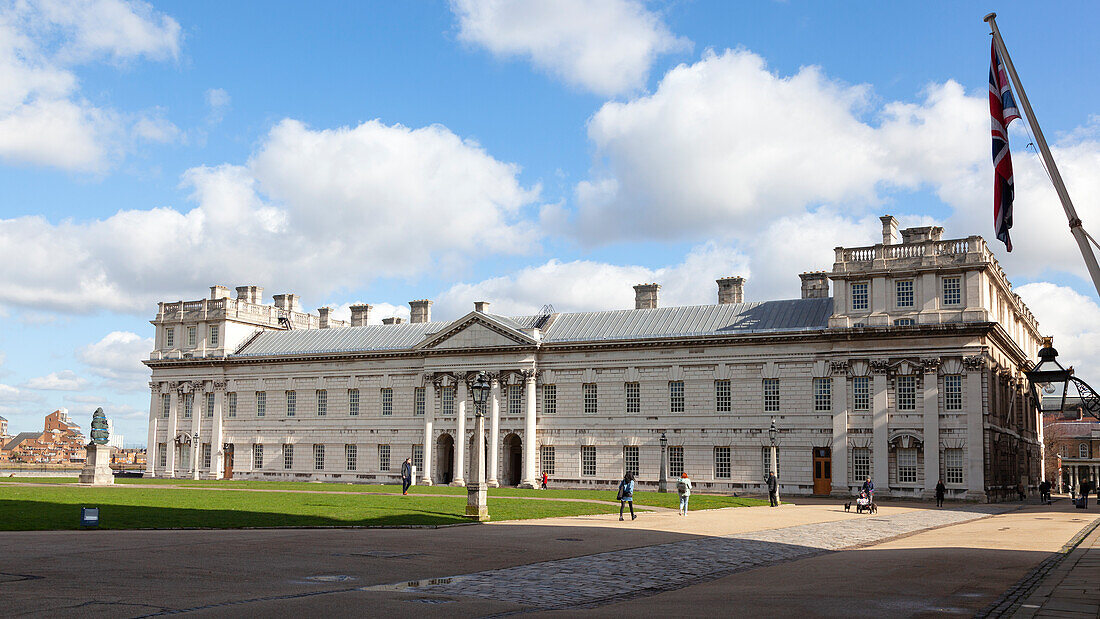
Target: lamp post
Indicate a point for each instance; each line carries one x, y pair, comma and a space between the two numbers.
477, 507
773, 436
195, 456
662, 483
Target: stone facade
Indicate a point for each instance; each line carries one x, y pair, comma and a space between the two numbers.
910, 372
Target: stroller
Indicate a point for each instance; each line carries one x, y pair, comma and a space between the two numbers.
864, 503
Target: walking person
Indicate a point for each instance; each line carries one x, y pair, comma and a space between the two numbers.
941, 490
773, 489
406, 475
545, 479
626, 495
1044, 491
683, 487
1086, 487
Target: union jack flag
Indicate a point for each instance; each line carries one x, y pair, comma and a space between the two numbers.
1002, 110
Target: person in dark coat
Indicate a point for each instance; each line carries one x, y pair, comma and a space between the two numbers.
869, 488
406, 475
1086, 487
941, 490
773, 489
1044, 491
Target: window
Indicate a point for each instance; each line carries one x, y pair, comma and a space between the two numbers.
165, 405
318, 457
1083, 450
418, 401
907, 393
588, 460
447, 401
387, 401
861, 463
952, 291
766, 452
630, 459
907, 465
169, 337
231, 401
721, 462
257, 456
288, 456
185, 457
904, 322
859, 296
351, 456
210, 404
952, 392
322, 402
291, 403
191, 336
823, 394
723, 402
549, 399
676, 396
515, 400
771, 395
162, 454
861, 393
675, 461
261, 403
546, 459
903, 293
633, 398
590, 402
213, 336
206, 455
1065, 451
188, 404
383, 457
353, 402
953, 466
418, 457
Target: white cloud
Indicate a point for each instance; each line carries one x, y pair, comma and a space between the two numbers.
15, 395
607, 47
352, 203
65, 380
117, 357
218, 100
1074, 321
43, 118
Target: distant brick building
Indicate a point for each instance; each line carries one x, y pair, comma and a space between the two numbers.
1072, 441
60, 442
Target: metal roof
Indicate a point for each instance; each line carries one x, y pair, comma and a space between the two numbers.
633, 324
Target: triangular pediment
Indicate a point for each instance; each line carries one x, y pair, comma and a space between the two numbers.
477, 330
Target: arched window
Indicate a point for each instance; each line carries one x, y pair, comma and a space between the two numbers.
1083, 450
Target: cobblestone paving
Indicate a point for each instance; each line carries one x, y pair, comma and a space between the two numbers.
606, 577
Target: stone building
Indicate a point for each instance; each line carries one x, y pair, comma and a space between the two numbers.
910, 371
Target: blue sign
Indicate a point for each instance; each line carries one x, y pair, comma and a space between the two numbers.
89, 516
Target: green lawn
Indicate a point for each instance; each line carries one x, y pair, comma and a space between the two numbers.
25, 508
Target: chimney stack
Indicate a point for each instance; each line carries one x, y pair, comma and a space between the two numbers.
392, 320
646, 296
420, 311
925, 233
815, 285
219, 292
359, 315
889, 230
288, 302
731, 290
325, 313
481, 306
250, 294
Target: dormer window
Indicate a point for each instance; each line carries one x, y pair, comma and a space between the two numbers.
903, 292
859, 296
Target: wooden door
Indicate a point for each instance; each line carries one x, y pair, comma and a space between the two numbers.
228, 461
823, 471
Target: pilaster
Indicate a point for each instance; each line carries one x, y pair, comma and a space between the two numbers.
839, 449
460, 434
529, 439
429, 418
151, 445
494, 433
931, 426
880, 420
975, 428
217, 447
170, 435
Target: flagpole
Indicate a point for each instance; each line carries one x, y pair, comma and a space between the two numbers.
1055, 176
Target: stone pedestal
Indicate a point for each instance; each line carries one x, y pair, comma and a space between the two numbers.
97, 468
476, 505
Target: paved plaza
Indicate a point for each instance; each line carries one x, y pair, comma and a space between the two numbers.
811, 559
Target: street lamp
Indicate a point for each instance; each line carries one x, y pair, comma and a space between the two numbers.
662, 483
773, 436
477, 507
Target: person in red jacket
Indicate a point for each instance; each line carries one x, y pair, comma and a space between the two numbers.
545, 478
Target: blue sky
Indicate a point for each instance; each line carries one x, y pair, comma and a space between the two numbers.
520, 152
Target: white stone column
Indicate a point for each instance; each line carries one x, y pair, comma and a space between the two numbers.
196, 417
931, 431
151, 444
880, 435
529, 439
170, 435
217, 436
429, 418
839, 450
460, 434
494, 434
975, 433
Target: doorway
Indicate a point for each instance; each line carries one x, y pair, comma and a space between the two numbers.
228, 459
823, 470
513, 460
445, 457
